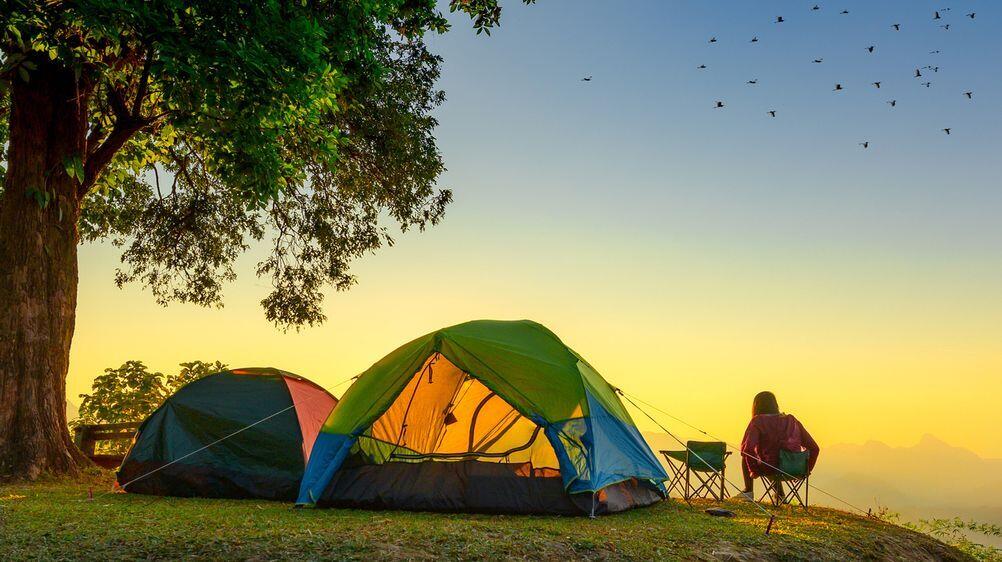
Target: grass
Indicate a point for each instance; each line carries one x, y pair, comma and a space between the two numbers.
55, 520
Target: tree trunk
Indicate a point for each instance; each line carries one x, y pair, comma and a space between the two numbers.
39, 208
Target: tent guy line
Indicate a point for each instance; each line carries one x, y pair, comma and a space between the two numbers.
738, 449
685, 445
628, 396
471, 354
204, 447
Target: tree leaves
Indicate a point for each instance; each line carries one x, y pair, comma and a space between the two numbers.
307, 122
132, 392
73, 165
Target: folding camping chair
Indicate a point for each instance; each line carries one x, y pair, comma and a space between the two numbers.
793, 470
707, 461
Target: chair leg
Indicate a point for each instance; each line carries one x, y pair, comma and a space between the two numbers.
774, 491
676, 478
723, 480
795, 488
768, 493
687, 497
705, 487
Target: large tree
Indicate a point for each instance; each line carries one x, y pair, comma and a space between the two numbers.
185, 130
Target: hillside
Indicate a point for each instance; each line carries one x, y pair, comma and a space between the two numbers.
931, 479
54, 520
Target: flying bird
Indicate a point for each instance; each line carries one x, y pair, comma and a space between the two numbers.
936, 52
927, 84
897, 27
865, 144
818, 61
719, 105
701, 67
837, 87
713, 39
971, 15
892, 103
586, 79
877, 84
946, 130
970, 95
772, 112
936, 16
870, 48
918, 73
844, 12
816, 7
946, 27
779, 19
755, 81
754, 40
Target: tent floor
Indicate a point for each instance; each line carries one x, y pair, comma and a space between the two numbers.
474, 487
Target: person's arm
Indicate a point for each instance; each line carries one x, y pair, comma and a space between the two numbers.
811, 445
749, 448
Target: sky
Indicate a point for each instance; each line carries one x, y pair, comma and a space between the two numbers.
693, 255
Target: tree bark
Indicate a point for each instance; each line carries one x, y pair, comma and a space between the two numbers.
38, 272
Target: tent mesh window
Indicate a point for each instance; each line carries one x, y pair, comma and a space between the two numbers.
444, 414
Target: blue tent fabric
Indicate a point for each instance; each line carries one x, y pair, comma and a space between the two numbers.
326, 457
618, 451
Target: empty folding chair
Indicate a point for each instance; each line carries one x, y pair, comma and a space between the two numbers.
676, 464
702, 461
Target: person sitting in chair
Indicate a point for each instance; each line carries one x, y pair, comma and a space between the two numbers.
770, 431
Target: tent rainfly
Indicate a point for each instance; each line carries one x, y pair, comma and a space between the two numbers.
244, 433
487, 416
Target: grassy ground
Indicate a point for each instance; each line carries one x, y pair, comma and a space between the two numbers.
55, 520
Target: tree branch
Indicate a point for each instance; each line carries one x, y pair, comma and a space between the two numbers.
117, 101
101, 157
127, 123
144, 81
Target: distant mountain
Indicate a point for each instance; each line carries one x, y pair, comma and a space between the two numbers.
930, 479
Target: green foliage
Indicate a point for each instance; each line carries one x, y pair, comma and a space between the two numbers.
131, 392
128, 393
955, 532
73, 165
191, 372
308, 123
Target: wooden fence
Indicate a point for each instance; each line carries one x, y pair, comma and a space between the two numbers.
87, 436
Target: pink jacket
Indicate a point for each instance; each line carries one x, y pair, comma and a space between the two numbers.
767, 434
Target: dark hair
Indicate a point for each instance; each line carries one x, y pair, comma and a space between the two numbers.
764, 403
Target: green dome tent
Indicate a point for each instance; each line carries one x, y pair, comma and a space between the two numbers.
486, 416
243, 433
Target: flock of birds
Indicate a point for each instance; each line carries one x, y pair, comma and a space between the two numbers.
937, 16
